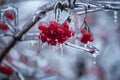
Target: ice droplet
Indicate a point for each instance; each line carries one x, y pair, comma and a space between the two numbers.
115, 16
95, 54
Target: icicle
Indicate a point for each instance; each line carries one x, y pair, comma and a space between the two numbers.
55, 47
1, 15
85, 45
115, 16
61, 50
94, 58
95, 55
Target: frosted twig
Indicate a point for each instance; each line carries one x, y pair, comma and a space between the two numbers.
91, 50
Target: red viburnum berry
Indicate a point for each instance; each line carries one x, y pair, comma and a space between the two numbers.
65, 25
3, 26
43, 37
86, 36
6, 70
42, 27
10, 15
55, 33
53, 26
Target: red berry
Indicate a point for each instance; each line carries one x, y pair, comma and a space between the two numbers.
60, 30
9, 15
43, 37
60, 41
42, 27
86, 36
53, 26
83, 31
6, 70
68, 33
91, 39
84, 40
50, 34
72, 33
65, 25
3, 26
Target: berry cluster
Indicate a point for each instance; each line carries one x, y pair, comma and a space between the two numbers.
55, 33
86, 36
3, 26
6, 70
9, 15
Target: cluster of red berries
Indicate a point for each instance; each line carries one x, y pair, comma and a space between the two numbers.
3, 26
55, 33
6, 70
86, 36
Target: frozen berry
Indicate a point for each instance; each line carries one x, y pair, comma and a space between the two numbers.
53, 26
42, 27
43, 37
9, 15
60, 30
65, 25
6, 70
3, 26
86, 36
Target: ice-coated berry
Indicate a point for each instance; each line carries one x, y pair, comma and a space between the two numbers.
9, 15
6, 70
3, 26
